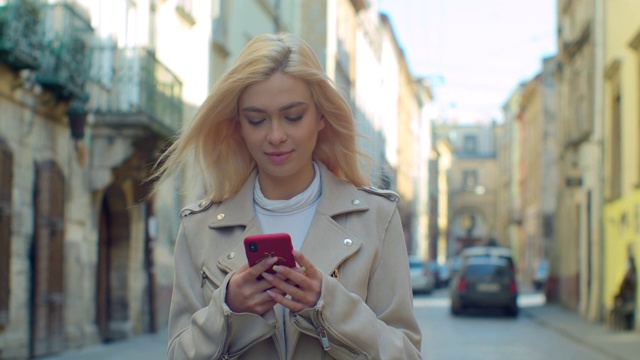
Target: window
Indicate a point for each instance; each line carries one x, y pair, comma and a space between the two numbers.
635, 45
469, 180
614, 132
470, 144
616, 148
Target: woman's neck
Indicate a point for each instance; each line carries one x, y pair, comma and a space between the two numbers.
285, 188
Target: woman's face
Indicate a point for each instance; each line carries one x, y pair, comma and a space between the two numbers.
279, 123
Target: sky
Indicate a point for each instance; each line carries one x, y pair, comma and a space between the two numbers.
473, 52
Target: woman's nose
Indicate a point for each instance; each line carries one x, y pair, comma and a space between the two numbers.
276, 133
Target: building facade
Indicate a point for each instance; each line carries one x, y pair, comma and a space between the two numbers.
621, 92
92, 91
472, 184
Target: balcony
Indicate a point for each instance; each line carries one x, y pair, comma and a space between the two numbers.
143, 93
20, 34
65, 60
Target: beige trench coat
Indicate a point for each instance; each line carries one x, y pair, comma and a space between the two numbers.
365, 310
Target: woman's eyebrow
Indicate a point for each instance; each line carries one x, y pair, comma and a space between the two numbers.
292, 105
255, 109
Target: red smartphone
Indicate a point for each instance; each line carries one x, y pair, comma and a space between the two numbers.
260, 247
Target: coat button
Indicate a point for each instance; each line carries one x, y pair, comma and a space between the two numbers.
231, 255
355, 202
348, 242
220, 216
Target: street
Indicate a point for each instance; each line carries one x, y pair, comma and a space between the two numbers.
488, 334
539, 332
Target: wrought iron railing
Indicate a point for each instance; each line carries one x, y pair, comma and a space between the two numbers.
20, 34
141, 85
65, 60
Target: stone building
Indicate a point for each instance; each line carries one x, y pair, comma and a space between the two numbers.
471, 184
621, 92
537, 169
90, 92
577, 244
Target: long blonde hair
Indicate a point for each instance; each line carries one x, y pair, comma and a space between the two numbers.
213, 137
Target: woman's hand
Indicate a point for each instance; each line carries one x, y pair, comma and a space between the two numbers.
302, 284
245, 293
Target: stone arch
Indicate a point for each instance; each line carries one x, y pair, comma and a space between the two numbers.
112, 314
468, 225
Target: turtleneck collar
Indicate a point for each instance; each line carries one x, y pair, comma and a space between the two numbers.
296, 203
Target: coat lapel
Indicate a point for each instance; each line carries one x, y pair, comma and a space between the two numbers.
327, 243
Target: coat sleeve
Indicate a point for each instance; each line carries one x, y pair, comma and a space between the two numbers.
381, 327
201, 330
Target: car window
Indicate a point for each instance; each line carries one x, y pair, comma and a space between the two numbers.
481, 270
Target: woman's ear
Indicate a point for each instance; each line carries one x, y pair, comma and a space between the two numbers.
323, 122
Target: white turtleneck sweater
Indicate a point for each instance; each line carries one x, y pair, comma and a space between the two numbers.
291, 216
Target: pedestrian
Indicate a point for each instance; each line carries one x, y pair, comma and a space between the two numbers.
275, 142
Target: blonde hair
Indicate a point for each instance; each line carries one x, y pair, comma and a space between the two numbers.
213, 137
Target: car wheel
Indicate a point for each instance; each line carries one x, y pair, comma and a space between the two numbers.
512, 311
456, 309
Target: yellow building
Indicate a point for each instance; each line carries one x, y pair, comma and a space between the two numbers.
622, 149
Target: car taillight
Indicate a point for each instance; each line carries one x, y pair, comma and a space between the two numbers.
513, 287
462, 285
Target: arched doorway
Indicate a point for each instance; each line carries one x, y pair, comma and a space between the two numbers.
47, 321
112, 310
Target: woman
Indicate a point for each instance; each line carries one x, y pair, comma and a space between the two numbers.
276, 143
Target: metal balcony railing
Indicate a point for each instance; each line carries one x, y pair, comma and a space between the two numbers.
142, 93
65, 60
20, 34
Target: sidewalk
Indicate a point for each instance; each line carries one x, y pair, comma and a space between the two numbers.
149, 346
614, 344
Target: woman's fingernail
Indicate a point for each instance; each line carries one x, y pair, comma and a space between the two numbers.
275, 267
267, 276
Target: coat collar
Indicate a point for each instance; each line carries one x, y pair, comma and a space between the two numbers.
327, 242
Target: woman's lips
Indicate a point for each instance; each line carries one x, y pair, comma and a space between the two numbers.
279, 157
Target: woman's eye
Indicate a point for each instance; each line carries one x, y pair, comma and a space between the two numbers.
293, 118
255, 122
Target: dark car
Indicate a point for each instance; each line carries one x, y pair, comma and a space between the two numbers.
484, 282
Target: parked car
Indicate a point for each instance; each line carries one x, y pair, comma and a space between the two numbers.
454, 264
484, 282
422, 280
489, 251
540, 275
441, 273
444, 274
